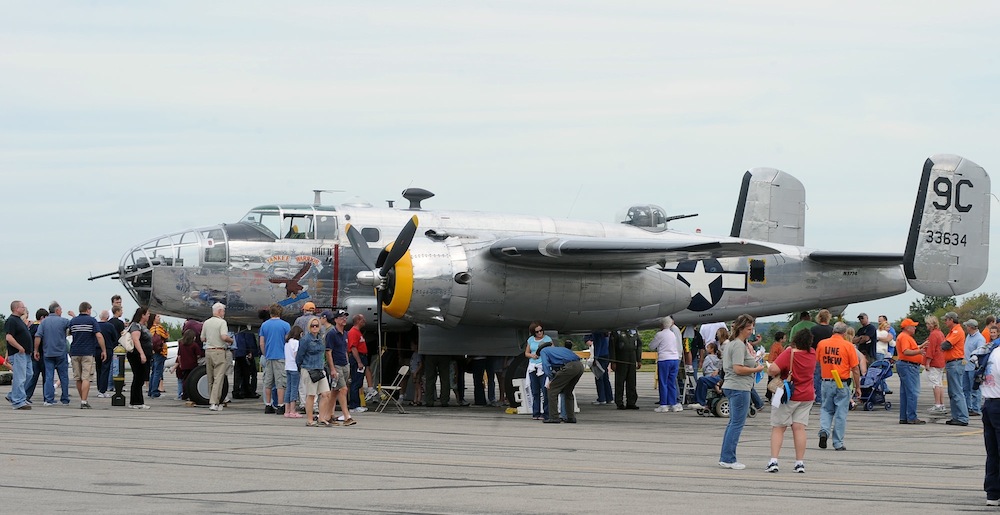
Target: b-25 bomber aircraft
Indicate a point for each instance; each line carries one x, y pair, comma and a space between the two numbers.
471, 282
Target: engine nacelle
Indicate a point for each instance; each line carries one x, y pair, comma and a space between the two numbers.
452, 282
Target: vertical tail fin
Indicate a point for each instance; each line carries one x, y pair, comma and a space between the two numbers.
771, 208
947, 251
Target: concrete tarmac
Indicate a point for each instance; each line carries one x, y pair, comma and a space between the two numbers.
176, 459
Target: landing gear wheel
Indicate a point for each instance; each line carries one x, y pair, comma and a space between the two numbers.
196, 386
722, 408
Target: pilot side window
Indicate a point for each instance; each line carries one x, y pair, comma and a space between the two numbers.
326, 227
370, 234
298, 227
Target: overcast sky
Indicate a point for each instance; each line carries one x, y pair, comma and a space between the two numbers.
121, 121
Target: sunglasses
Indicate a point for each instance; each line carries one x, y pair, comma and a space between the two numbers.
313, 325
539, 331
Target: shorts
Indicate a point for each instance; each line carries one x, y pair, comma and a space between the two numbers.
936, 377
343, 375
791, 412
274, 374
83, 368
311, 388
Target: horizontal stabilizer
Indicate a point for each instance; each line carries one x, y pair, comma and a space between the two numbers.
857, 259
947, 251
607, 253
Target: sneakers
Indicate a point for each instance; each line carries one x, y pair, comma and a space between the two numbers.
218, 407
954, 422
371, 394
350, 422
822, 440
677, 407
84, 405
662, 409
771, 467
268, 409
800, 468
599, 403
937, 408
695, 406
280, 410
48, 404
139, 406
359, 409
103, 395
993, 502
734, 465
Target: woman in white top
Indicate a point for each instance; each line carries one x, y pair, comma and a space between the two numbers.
668, 359
292, 372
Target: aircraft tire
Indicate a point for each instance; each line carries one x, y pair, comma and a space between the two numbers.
196, 386
517, 368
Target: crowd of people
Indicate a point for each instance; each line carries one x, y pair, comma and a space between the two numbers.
317, 365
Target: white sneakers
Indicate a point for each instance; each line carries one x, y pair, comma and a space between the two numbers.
371, 394
139, 406
359, 409
215, 407
662, 409
677, 407
695, 406
734, 465
937, 408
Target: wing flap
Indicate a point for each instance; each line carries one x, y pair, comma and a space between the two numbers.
609, 253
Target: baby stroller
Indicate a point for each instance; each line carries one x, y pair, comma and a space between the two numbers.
873, 384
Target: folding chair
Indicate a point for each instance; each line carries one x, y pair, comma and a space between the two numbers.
386, 393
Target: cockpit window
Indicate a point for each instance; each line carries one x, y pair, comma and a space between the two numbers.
298, 226
326, 227
269, 220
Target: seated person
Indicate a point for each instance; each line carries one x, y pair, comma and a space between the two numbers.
710, 376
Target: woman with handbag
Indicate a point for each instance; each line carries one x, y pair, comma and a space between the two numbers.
139, 356
310, 360
796, 365
740, 364
160, 336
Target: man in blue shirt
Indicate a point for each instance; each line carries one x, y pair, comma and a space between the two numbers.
973, 341
601, 352
272, 346
563, 369
52, 331
87, 339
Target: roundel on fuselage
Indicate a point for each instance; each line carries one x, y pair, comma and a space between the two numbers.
708, 281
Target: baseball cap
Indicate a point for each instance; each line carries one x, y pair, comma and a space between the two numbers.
951, 315
308, 306
971, 323
908, 323
328, 315
862, 315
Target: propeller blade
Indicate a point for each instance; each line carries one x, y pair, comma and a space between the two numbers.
400, 247
360, 246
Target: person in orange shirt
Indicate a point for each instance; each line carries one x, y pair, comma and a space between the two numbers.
991, 321
954, 367
838, 359
911, 356
776, 348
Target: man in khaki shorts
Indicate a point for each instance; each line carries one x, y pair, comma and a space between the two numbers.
340, 373
87, 338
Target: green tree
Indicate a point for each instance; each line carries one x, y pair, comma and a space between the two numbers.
978, 307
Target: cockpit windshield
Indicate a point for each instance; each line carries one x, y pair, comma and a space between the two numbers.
268, 220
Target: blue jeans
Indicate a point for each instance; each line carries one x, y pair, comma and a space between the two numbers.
19, 364
991, 436
694, 364
539, 395
291, 386
701, 390
836, 404
956, 390
758, 403
156, 375
818, 383
973, 398
739, 405
909, 389
666, 372
56, 365
604, 393
36, 370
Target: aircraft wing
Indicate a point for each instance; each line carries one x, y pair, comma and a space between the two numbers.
610, 253
858, 259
